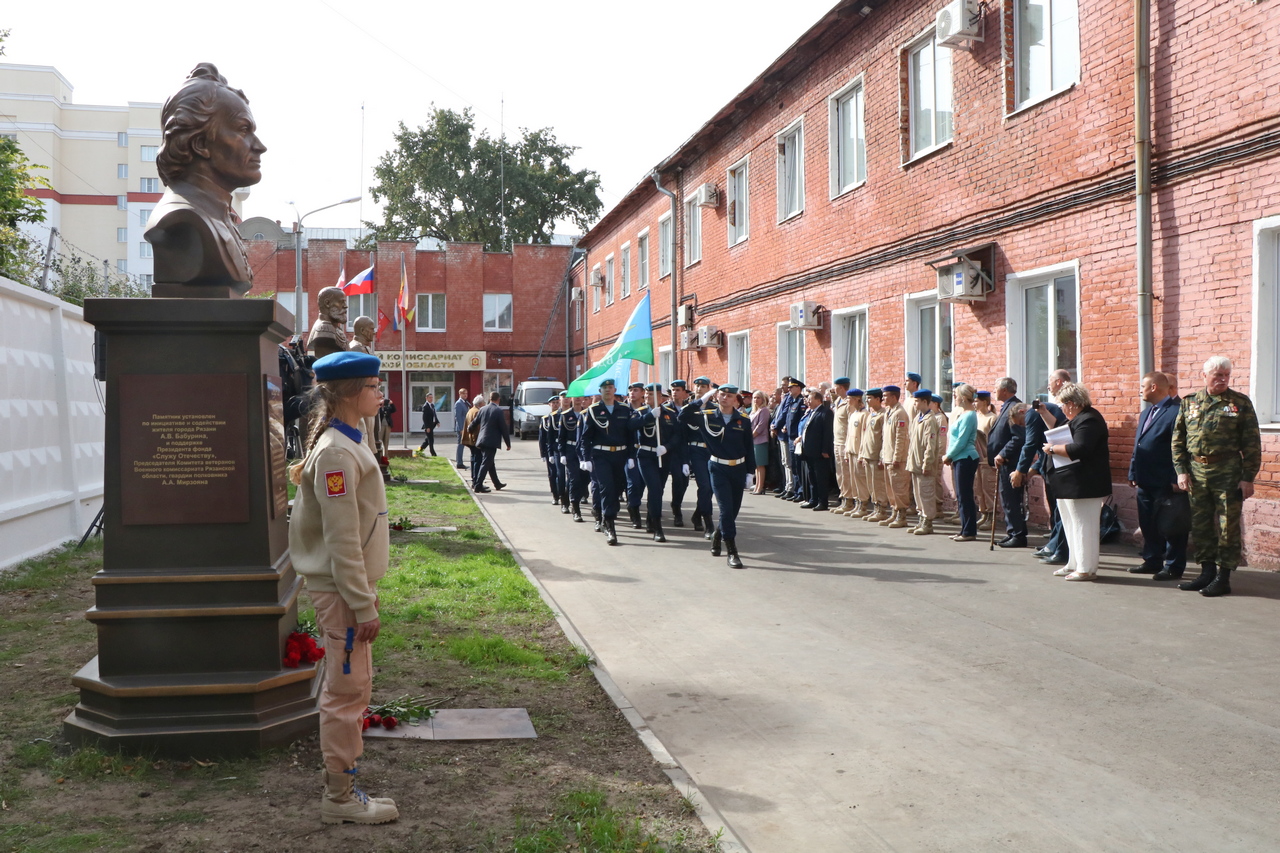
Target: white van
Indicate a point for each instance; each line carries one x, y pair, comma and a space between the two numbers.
531, 402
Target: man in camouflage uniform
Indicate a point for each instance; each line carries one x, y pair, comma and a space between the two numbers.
1217, 451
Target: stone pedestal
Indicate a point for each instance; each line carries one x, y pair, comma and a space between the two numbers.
197, 595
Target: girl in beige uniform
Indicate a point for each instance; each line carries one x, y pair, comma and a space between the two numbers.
339, 542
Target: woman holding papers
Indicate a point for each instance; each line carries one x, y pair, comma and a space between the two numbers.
1079, 472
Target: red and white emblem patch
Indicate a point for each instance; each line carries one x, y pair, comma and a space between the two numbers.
335, 483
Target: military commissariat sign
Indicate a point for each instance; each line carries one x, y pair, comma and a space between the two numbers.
455, 360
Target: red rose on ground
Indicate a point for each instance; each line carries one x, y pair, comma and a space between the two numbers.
364, 724
292, 660
375, 720
390, 722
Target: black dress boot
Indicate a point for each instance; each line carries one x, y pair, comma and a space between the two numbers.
634, 513
677, 517
595, 513
715, 542
657, 530
1208, 571
610, 534
697, 521
1167, 574
1221, 585
577, 512
564, 506
735, 562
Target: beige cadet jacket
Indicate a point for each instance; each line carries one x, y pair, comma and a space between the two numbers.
857, 423
339, 539
840, 427
872, 437
925, 454
896, 426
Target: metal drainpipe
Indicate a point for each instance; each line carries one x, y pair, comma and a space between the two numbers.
1142, 169
675, 300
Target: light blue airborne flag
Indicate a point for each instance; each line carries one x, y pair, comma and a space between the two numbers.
635, 342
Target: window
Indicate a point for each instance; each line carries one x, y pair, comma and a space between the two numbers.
790, 351
122, 140
122, 235
429, 315
122, 266
361, 305
12, 136
849, 349
1047, 44
929, 80
285, 298
666, 367
595, 291
497, 312
147, 153
928, 333
740, 360
666, 245
147, 279
692, 231
1044, 326
642, 260
122, 202
608, 280
626, 270
737, 209
577, 314
791, 171
846, 114
144, 213
1264, 377
144, 249
122, 170
150, 185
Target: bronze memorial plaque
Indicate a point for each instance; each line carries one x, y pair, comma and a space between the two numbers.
184, 448
276, 455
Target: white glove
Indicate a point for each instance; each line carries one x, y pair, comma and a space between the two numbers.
631, 463
585, 466
562, 462
661, 451
684, 469
751, 481
546, 459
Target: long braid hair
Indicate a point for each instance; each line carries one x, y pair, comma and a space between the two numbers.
323, 401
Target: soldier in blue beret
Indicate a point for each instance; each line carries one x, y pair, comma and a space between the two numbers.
657, 435
635, 482
605, 446
731, 456
913, 383
576, 480
694, 458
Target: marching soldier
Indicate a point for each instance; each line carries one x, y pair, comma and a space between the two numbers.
852, 446
576, 480
1217, 452
731, 454
695, 456
923, 460
679, 479
869, 453
548, 447
840, 432
635, 483
606, 446
893, 456
657, 432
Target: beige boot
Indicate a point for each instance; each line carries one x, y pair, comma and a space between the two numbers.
876, 515
899, 520
890, 518
925, 528
858, 511
344, 802
840, 508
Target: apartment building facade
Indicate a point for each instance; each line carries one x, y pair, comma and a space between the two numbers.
879, 201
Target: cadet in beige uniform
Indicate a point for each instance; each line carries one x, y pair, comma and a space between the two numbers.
893, 455
840, 433
339, 542
853, 445
869, 454
924, 459
986, 487
935, 406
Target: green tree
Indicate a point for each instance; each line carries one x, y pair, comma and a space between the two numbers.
445, 179
17, 175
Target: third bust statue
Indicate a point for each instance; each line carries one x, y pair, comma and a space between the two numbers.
328, 333
210, 148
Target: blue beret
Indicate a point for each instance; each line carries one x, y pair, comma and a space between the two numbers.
956, 384
653, 386
564, 394
347, 365
923, 394
984, 395
843, 380
892, 389
679, 383
634, 385
875, 392
702, 380
936, 398
731, 389
606, 381
914, 377
854, 392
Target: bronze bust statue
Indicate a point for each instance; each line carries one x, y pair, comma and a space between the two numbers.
362, 332
210, 148
328, 334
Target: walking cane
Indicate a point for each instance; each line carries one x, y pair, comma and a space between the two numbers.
995, 508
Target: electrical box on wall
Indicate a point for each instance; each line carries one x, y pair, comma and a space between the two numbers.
684, 315
804, 315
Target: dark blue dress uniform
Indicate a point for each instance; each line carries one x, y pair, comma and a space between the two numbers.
607, 443
549, 450
576, 481
694, 453
731, 456
635, 481
654, 430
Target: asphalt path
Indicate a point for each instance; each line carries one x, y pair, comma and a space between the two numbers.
856, 688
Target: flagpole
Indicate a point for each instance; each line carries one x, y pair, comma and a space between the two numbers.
404, 367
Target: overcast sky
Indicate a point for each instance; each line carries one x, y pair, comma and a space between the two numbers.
624, 82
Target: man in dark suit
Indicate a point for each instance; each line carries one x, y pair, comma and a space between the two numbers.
1004, 447
430, 420
1043, 416
491, 432
816, 450
1151, 472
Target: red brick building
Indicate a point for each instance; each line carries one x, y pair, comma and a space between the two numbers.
481, 318
849, 183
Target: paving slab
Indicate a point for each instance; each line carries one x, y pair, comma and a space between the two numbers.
856, 688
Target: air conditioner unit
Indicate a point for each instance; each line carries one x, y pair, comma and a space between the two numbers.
688, 339
961, 282
804, 315
708, 336
575, 295
684, 315
706, 196
957, 22
597, 278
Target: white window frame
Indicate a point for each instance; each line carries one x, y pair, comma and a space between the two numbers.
485, 313
666, 366
1020, 71
1264, 360
739, 374
122, 202
840, 344
835, 152
784, 331
357, 305
122, 235
911, 305
595, 291
122, 139
797, 128
642, 259
692, 230
624, 269
153, 183
608, 279
1015, 285
927, 38
738, 225
122, 266
147, 153
147, 279
122, 171
666, 245
144, 213
144, 249
429, 315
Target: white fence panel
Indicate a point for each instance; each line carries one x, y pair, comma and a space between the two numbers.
51, 423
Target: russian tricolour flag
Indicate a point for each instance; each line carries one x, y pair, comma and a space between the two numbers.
360, 283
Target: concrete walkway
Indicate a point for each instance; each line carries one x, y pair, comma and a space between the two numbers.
859, 689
